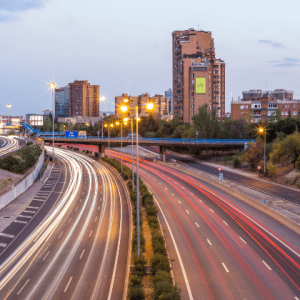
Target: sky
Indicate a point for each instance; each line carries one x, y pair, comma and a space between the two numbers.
125, 46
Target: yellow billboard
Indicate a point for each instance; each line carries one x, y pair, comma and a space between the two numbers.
200, 85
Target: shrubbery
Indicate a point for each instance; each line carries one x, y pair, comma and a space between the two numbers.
21, 160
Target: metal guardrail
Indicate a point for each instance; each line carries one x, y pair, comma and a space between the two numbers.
156, 140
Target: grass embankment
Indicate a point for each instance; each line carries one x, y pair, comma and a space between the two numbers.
159, 284
19, 162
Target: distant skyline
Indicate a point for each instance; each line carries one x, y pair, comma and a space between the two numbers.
126, 46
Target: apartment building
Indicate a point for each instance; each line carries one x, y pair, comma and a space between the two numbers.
84, 99
161, 105
62, 102
198, 77
258, 105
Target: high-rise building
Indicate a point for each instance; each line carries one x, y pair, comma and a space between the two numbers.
62, 102
169, 95
161, 105
84, 99
198, 77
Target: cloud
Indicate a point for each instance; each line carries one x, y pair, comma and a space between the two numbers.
287, 65
9, 9
287, 62
273, 44
291, 60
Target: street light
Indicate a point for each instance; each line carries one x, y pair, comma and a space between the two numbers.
124, 108
102, 99
52, 86
262, 130
8, 107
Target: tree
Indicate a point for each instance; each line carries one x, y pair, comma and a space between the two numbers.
278, 114
254, 153
206, 123
286, 150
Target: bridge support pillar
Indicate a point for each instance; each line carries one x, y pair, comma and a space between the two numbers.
162, 153
101, 150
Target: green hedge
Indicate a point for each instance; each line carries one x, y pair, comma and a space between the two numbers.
21, 160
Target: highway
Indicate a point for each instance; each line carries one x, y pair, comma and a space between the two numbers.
71, 242
264, 187
7, 145
220, 247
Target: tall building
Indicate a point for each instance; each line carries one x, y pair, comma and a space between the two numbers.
84, 99
62, 103
161, 105
258, 105
198, 77
169, 95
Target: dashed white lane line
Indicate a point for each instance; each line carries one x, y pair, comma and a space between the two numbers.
225, 268
225, 223
29, 211
96, 219
81, 253
60, 234
70, 220
159, 183
34, 207
28, 217
200, 200
267, 266
3, 245
46, 255
166, 188
172, 195
23, 222
19, 292
80, 200
209, 242
187, 211
7, 235
66, 288
296, 298
83, 193
76, 208
211, 210
179, 202
99, 208
197, 224
243, 241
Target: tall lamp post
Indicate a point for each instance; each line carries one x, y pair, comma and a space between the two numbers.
263, 131
52, 86
8, 108
102, 99
132, 162
124, 108
108, 127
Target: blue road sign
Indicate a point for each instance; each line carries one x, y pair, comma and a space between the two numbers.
71, 134
264, 201
221, 176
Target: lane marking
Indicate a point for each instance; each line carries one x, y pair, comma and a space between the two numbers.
29, 211
80, 200
96, 219
7, 235
46, 255
225, 223
225, 268
76, 208
209, 242
179, 202
3, 245
243, 240
166, 188
91, 233
187, 211
34, 207
267, 266
60, 234
211, 210
197, 224
200, 200
81, 253
39, 200
99, 208
70, 220
23, 287
68, 284
23, 222
172, 195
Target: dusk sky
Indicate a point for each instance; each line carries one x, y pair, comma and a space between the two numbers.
126, 47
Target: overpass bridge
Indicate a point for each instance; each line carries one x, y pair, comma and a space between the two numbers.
163, 143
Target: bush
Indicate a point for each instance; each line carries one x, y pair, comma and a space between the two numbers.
96, 154
83, 151
271, 169
136, 280
153, 222
151, 211
162, 276
236, 162
164, 290
124, 175
87, 151
227, 158
29, 143
136, 293
159, 262
298, 163
58, 145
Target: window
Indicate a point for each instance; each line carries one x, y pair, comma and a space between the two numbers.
246, 106
286, 106
286, 113
282, 113
242, 107
193, 81
294, 106
294, 113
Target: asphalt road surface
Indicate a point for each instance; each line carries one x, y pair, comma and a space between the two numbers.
71, 242
7, 145
220, 247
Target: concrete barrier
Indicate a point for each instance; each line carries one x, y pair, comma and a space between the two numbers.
20, 186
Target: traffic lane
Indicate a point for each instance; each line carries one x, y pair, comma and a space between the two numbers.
215, 264
284, 263
15, 234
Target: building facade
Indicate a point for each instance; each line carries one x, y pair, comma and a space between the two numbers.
161, 105
258, 105
198, 77
84, 99
62, 103
169, 95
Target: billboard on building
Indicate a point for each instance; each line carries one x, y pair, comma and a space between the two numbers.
200, 85
71, 134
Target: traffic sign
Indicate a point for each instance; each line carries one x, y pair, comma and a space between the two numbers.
258, 167
221, 176
220, 169
71, 134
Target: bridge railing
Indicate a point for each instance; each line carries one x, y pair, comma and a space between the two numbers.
155, 140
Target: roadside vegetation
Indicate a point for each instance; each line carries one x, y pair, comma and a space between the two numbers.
159, 286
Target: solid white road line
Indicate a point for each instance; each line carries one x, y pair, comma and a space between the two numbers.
197, 224
81, 253
225, 223
46, 255
225, 268
66, 288
243, 240
267, 266
209, 241
18, 293
7, 235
